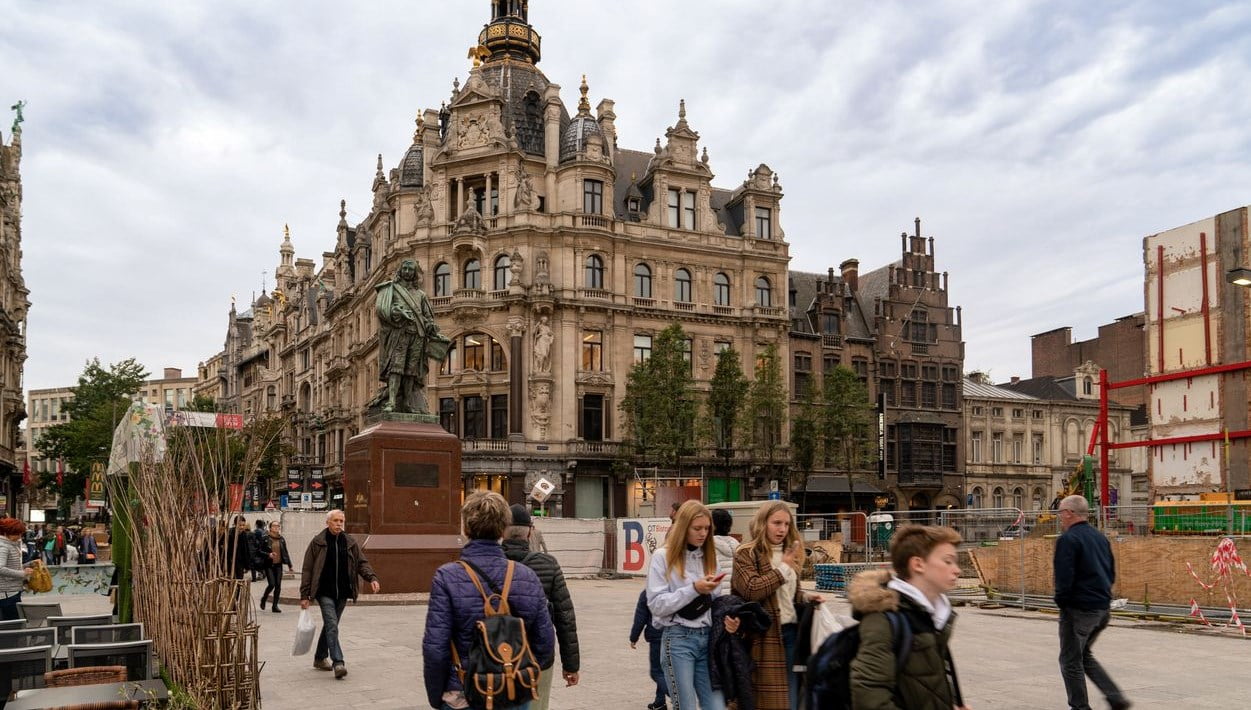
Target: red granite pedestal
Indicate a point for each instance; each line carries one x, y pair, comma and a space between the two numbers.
402, 498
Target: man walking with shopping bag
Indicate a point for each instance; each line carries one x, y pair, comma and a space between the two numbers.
332, 563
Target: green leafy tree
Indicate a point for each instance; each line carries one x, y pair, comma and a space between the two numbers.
764, 411
726, 394
101, 397
804, 441
202, 403
659, 405
846, 424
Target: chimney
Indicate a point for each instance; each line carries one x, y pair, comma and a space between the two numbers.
173, 373
851, 274
1016, 380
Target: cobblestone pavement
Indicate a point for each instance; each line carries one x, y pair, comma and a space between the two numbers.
1006, 659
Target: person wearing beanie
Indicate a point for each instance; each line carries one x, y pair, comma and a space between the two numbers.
517, 547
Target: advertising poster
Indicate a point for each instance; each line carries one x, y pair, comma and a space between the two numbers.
317, 484
295, 485
637, 539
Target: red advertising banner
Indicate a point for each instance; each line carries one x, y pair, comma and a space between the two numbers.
236, 496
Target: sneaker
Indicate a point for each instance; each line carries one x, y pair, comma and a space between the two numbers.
322, 664
1122, 704
340, 670
657, 706
276, 610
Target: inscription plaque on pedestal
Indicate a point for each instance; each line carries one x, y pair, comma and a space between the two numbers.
402, 498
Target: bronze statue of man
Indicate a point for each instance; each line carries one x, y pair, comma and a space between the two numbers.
408, 339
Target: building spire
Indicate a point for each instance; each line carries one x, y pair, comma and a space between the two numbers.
584, 105
509, 34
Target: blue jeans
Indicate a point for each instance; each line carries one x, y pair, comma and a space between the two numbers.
328, 641
1078, 630
657, 672
685, 655
789, 632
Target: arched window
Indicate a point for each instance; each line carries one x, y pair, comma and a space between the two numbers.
996, 499
448, 366
502, 262
473, 275
475, 352
978, 496
721, 289
442, 280
682, 286
1018, 497
642, 281
594, 272
1037, 499
764, 293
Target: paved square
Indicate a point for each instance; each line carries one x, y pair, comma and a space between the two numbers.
1006, 659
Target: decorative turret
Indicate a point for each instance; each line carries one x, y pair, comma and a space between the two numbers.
509, 34
412, 168
582, 130
286, 264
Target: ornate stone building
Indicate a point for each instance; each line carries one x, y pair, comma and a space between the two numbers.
14, 303
892, 326
552, 257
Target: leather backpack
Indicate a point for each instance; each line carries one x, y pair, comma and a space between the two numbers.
500, 671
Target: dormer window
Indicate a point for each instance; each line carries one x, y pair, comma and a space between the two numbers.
681, 209
764, 223
633, 205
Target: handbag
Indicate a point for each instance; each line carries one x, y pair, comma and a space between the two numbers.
41, 580
696, 608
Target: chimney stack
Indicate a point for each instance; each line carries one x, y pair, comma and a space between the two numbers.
173, 373
1016, 380
851, 274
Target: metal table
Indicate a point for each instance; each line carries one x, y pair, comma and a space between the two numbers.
143, 691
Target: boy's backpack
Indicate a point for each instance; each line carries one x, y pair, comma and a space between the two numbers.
827, 683
500, 671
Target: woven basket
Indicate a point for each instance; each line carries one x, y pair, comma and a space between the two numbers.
87, 675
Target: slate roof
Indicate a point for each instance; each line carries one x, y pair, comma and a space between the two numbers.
977, 390
855, 324
634, 162
1051, 388
515, 81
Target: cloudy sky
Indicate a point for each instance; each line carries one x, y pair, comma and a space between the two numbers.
166, 144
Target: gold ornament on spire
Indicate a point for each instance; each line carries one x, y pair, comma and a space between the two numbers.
584, 105
478, 54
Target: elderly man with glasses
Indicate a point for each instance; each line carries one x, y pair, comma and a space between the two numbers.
1084, 573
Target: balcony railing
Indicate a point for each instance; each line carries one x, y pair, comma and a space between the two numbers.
484, 445
468, 294
681, 306
596, 293
645, 302
595, 221
832, 340
723, 310
440, 301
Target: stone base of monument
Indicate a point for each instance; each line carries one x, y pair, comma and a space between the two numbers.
402, 497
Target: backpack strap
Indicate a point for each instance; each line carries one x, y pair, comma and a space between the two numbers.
495, 603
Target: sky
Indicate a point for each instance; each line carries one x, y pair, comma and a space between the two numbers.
166, 144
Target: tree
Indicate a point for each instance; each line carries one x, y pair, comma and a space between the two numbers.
846, 424
804, 441
659, 406
726, 395
100, 398
202, 403
764, 411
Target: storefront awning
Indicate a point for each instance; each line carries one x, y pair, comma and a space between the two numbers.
838, 485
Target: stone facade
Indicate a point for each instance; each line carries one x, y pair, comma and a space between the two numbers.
1024, 440
14, 304
551, 256
892, 326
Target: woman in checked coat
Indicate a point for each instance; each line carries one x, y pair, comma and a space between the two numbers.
766, 570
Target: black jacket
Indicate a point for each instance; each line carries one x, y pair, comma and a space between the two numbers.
643, 622
1084, 569
262, 560
559, 603
730, 664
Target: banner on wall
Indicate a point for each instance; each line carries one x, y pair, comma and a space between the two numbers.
637, 539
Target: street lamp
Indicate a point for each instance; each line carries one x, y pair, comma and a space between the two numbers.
1239, 276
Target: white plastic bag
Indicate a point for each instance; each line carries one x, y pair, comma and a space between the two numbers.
826, 623
305, 631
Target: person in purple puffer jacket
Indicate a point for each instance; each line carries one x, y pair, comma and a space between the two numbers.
456, 605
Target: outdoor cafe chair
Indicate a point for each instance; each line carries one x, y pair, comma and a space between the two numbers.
85, 675
12, 624
135, 655
25, 638
24, 667
36, 613
111, 633
64, 624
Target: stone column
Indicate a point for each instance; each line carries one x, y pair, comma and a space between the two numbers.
486, 207
460, 199
516, 374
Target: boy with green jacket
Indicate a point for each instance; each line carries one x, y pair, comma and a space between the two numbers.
924, 562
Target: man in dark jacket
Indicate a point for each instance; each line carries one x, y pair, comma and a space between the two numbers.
456, 605
332, 563
258, 541
643, 624
559, 603
1084, 574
